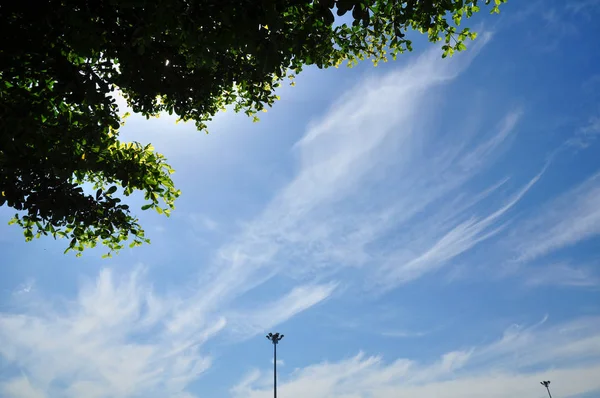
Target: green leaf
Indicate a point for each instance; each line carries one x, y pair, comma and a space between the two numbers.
62, 78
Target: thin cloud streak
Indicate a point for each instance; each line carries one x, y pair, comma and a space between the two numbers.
456, 241
403, 334
248, 323
572, 218
562, 274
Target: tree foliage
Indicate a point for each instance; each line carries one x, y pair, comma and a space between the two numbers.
61, 62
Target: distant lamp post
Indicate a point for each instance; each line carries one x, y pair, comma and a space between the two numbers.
547, 385
275, 338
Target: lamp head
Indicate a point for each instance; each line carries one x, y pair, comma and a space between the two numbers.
274, 337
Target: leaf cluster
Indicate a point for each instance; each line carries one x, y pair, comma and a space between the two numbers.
62, 62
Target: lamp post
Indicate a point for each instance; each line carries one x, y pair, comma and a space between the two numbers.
547, 385
274, 338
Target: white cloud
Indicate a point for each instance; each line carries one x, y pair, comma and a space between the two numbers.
583, 6
118, 338
111, 341
587, 134
571, 218
593, 126
19, 387
568, 354
561, 274
246, 383
537, 346
459, 239
300, 298
372, 166
202, 221
25, 287
403, 333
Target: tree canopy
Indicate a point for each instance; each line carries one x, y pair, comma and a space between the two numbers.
62, 61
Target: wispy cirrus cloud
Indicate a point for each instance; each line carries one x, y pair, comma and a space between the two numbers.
460, 238
587, 134
510, 366
367, 172
402, 334
583, 6
563, 222
561, 21
593, 126
249, 322
562, 274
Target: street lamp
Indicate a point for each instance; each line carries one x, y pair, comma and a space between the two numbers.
274, 338
547, 385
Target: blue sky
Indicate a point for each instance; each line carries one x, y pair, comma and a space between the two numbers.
426, 228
